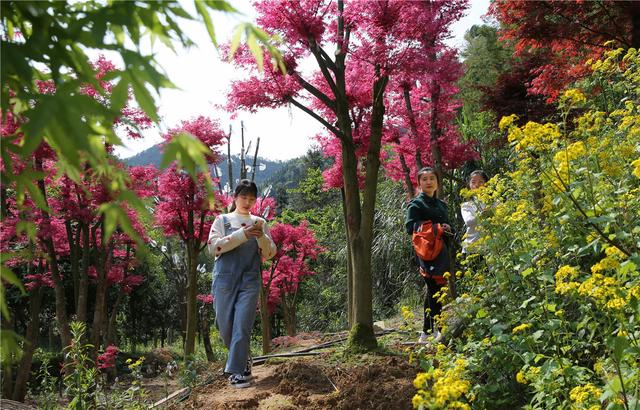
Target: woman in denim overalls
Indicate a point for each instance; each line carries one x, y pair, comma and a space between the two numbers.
238, 240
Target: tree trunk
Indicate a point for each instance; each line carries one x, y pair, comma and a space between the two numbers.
204, 331
192, 294
73, 257
266, 322
83, 291
61, 303
229, 163
349, 266
111, 329
362, 336
24, 371
98, 328
634, 12
434, 134
361, 329
407, 177
289, 307
99, 311
255, 161
412, 125
6, 323
243, 164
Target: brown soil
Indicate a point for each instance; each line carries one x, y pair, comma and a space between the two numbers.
375, 382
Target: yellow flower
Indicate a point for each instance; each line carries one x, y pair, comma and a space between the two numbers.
606, 263
417, 401
564, 276
574, 97
506, 122
407, 313
636, 168
521, 328
598, 367
614, 252
520, 378
566, 272
420, 381
534, 136
580, 394
616, 304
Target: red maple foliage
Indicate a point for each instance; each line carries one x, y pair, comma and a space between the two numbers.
565, 34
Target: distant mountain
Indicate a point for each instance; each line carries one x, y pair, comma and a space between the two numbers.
266, 169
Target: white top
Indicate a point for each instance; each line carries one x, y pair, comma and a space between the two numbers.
218, 243
470, 210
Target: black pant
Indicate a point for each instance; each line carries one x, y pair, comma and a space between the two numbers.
430, 303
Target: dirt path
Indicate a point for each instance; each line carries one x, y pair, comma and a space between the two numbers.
377, 382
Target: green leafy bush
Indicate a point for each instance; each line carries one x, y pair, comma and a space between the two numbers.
552, 313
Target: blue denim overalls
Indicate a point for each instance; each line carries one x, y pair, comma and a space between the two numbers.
235, 288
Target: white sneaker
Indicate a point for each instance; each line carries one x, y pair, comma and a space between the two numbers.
430, 337
238, 381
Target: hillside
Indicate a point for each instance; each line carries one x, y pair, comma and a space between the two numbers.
268, 170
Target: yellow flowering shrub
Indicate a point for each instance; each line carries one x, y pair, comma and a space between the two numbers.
552, 310
444, 387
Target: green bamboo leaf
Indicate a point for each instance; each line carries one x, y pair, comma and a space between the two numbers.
120, 93
29, 228
7, 276
10, 31
221, 5
111, 214
34, 191
202, 10
9, 348
235, 40
144, 98
255, 49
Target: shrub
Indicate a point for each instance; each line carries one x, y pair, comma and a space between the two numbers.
553, 309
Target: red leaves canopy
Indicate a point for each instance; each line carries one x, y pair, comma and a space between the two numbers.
565, 34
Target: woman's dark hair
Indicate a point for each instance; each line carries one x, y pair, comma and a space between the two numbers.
478, 172
244, 187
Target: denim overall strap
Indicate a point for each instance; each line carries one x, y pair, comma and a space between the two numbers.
235, 288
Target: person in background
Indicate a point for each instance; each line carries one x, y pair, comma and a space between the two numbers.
238, 240
427, 207
471, 209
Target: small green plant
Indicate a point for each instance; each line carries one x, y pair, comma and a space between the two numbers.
80, 373
188, 373
136, 394
45, 392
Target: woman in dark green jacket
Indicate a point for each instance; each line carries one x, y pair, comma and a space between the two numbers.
427, 207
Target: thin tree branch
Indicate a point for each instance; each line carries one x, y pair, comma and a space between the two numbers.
322, 63
318, 118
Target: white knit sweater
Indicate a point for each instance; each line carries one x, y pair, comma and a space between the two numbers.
218, 243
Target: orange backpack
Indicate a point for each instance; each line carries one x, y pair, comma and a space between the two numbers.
427, 241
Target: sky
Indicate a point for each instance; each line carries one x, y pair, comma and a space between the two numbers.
203, 79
